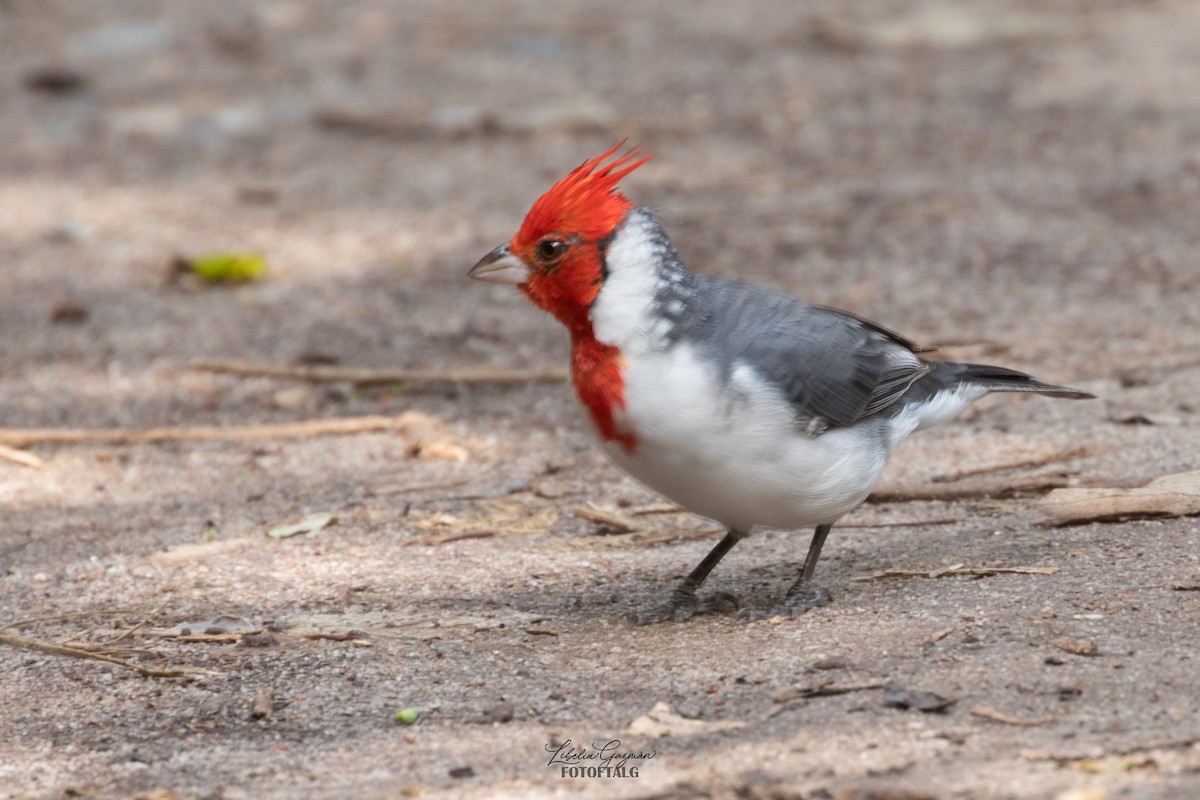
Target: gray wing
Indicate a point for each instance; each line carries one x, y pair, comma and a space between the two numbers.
832, 366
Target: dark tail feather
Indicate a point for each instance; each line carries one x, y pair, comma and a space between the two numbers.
1000, 379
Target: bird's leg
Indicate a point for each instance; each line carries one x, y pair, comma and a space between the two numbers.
799, 594
684, 604
800, 597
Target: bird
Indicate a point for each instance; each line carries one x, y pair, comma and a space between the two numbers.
739, 403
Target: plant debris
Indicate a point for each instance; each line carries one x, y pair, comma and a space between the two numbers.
897, 696
224, 267
662, 723
19, 437
789, 694
261, 708
1175, 495
996, 716
22, 457
50, 648
956, 569
485, 373
1076, 648
613, 520
1037, 461
313, 522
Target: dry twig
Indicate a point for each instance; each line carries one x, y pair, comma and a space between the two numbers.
1039, 461
791, 696
366, 377
996, 716
939, 635
1175, 495
447, 538
1132, 750
916, 523
970, 491
21, 623
648, 538
956, 569
383, 491
39, 646
202, 433
21, 457
659, 508
614, 521
356, 638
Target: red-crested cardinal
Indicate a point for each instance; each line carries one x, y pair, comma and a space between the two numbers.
738, 403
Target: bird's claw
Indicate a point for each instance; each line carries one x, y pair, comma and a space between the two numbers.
684, 605
795, 604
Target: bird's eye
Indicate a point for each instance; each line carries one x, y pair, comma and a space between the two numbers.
550, 250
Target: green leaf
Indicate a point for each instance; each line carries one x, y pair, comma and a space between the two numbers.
407, 716
229, 267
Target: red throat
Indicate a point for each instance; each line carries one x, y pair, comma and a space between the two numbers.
596, 371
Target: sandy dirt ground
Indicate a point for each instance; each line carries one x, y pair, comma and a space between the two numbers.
1017, 182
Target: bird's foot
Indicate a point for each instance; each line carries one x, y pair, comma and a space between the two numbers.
684, 605
795, 604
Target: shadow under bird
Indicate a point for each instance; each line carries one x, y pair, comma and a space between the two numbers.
738, 403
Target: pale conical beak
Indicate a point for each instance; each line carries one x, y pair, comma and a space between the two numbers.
500, 266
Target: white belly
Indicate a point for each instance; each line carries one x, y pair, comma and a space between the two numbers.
732, 452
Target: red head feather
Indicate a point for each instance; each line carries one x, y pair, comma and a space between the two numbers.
577, 213
585, 203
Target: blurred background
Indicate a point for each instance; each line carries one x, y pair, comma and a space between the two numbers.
964, 172
304, 183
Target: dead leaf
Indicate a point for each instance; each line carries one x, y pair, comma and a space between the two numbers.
1076, 648
262, 703
313, 522
1170, 495
789, 694
444, 448
897, 696
663, 723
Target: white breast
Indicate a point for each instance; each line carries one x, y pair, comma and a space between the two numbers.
732, 452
